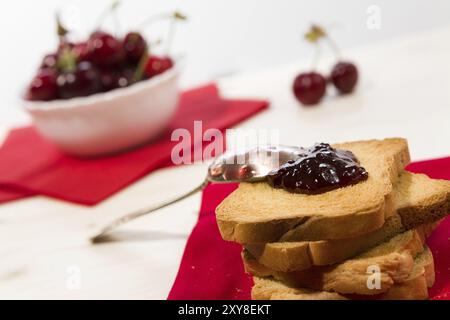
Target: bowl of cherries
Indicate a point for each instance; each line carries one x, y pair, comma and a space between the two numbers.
103, 95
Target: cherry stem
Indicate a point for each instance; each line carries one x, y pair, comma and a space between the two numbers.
141, 65
66, 61
154, 18
116, 21
162, 16
61, 31
170, 35
333, 46
174, 17
316, 56
316, 34
144, 60
110, 9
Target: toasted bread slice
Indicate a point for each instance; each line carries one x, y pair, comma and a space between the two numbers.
413, 288
258, 213
418, 200
271, 289
393, 260
416, 286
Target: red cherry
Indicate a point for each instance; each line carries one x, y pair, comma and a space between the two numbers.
309, 88
43, 86
112, 79
105, 50
156, 65
344, 76
109, 79
49, 61
126, 77
134, 45
83, 81
81, 52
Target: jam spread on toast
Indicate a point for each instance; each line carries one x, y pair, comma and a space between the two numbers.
319, 169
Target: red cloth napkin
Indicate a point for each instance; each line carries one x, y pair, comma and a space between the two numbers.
211, 268
29, 164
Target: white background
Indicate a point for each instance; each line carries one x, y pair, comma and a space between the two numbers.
222, 37
404, 91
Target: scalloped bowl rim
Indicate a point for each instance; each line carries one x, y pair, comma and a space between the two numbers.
104, 96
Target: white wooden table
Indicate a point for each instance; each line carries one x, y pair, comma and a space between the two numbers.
404, 91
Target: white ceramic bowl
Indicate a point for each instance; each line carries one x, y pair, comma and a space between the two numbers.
112, 121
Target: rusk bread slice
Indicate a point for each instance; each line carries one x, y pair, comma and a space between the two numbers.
271, 289
258, 213
415, 287
392, 260
418, 200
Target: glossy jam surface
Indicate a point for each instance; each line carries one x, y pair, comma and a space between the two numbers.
319, 169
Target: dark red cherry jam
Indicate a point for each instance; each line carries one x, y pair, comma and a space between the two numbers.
319, 169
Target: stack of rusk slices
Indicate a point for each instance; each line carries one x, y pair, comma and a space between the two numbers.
362, 241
